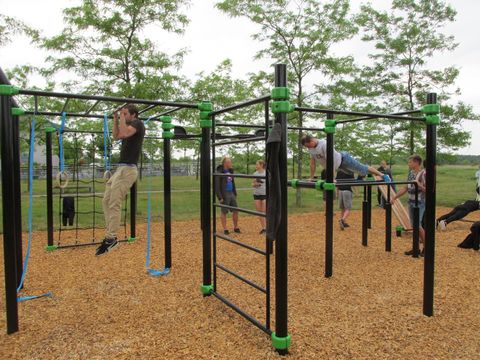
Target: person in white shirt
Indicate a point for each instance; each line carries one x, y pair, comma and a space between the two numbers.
341, 160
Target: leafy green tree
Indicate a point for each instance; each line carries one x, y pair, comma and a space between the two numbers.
406, 38
301, 34
11, 27
103, 43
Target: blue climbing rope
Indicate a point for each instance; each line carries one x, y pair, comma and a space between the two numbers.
106, 133
30, 217
150, 271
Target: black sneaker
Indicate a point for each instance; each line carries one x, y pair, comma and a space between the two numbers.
226, 232
342, 225
345, 224
410, 253
263, 231
106, 246
237, 230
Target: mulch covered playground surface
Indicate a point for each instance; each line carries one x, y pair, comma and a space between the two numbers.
109, 308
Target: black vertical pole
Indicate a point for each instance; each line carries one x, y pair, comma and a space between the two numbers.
167, 203
281, 241
8, 203
18, 197
205, 205
48, 145
388, 221
416, 225
133, 211
430, 199
365, 217
369, 205
329, 205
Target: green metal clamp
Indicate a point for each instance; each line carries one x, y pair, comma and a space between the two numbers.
50, 129
294, 183
167, 135
319, 185
281, 343
280, 93
51, 247
283, 106
432, 120
18, 111
431, 109
131, 239
8, 90
206, 289
329, 186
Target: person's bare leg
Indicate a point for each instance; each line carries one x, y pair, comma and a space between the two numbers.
223, 218
259, 208
345, 214
235, 219
264, 210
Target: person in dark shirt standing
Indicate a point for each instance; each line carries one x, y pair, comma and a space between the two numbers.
131, 131
345, 196
227, 194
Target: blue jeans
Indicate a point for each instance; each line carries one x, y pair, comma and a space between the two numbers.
352, 165
421, 210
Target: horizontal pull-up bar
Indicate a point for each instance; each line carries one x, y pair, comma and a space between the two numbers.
239, 125
246, 211
358, 113
241, 105
239, 141
76, 115
369, 118
244, 176
313, 184
114, 99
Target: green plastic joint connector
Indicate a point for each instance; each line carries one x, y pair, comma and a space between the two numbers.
319, 184
330, 129
205, 115
329, 186
167, 135
432, 120
131, 239
281, 343
280, 93
431, 109
282, 107
50, 129
51, 247
167, 126
18, 111
206, 123
166, 119
399, 228
8, 90
330, 123
205, 106
294, 183
206, 289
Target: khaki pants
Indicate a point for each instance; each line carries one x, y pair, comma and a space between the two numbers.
116, 189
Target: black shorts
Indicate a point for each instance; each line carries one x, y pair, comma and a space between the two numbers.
260, 197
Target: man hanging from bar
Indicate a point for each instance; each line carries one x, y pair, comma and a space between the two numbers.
341, 160
131, 131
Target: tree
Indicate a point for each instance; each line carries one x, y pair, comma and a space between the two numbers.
301, 34
405, 38
104, 45
10, 27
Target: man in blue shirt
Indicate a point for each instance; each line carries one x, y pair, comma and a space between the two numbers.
227, 194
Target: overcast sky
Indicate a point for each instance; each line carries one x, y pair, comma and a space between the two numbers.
212, 37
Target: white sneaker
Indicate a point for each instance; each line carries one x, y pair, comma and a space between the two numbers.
442, 225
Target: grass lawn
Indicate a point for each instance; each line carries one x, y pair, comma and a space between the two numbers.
455, 184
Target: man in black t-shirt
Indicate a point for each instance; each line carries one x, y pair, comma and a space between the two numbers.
131, 131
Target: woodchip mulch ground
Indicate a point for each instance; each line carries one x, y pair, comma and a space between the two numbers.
109, 308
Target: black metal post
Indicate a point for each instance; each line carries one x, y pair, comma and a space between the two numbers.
329, 205
365, 218
430, 199
8, 203
167, 203
205, 197
281, 241
416, 225
369, 206
48, 145
388, 221
18, 197
133, 212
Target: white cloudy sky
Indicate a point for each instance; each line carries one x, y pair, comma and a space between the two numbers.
212, 37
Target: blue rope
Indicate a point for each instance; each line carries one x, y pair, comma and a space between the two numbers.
30, 218
106, 132
60, 142
152, 272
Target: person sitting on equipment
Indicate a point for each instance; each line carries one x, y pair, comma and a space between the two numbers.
341, 160
458, 212
132, 131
